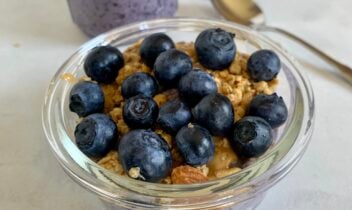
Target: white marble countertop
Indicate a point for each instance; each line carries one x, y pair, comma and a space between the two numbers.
37, 36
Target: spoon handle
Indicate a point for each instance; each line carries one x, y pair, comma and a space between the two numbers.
346, 72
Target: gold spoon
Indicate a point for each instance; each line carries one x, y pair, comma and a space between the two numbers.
248, 13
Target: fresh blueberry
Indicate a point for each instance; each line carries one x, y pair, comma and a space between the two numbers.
263, 65
103, 63
195, 144
195, 85
173, 115
139, 83
147, 152
215, 113
86, 98
96, 135
140, 112
153, 45
271, 108
252, 136
170, 66
215, 48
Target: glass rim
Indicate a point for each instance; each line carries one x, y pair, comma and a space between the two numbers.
303, 132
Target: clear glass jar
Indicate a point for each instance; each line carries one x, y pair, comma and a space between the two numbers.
94, 17
243, 190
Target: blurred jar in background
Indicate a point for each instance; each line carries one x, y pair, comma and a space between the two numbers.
98, 16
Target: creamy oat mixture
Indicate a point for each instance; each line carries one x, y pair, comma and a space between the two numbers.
233, 82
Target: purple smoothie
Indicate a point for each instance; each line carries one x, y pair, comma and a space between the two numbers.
98, 16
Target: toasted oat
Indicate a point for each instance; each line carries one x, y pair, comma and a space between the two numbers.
116, 114
167, 137
110, 91
160, 99
166, 180
187, 175
122, 127
111, 162
224, 156
226, 172
204, 169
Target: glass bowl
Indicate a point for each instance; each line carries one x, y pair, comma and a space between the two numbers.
243, 190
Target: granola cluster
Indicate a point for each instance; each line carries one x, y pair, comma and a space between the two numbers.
233, 82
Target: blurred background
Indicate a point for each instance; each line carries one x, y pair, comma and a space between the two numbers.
37, 36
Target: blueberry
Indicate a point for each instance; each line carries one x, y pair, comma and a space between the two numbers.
139, 83
173, 115
215, 113
271, 108
215, 48
146, 151
153, 45
252, 136
195, 85
263, 65
195, 144
103, 63
96, 135
170, 66
86, 98
140, 112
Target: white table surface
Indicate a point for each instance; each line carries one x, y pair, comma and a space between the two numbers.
36, 36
